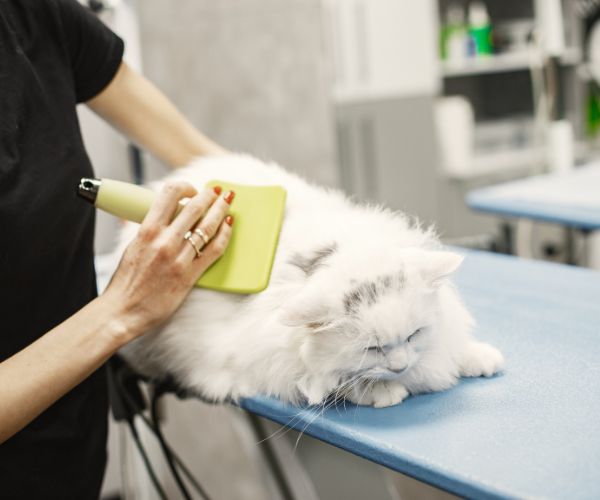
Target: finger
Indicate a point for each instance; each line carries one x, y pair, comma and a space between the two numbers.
215, 248
192, 248
194, 210
211, 222
165, 204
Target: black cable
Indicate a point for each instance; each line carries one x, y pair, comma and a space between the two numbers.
179, 462
126, 402
151, 473
129, 406
137, 164
96, 6
271, 457
166, 451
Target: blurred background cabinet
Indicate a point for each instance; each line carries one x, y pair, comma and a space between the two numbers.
384, 71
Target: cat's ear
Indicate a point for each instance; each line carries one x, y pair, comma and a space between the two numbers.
437, 266
308, 309
310, 261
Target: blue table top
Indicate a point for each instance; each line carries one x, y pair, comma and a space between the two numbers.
565, 199
533, 431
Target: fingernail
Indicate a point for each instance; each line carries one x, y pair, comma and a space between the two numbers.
217, 190
229, 220
229, 197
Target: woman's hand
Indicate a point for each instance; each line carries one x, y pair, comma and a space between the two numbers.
157, 271
159, 267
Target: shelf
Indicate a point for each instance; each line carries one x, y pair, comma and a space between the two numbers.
501, 162
501, 63
510, 61
362, 94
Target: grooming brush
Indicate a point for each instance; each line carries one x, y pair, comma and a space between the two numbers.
245, 267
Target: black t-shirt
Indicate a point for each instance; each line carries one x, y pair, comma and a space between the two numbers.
53, 54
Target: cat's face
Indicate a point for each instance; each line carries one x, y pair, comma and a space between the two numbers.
368, 319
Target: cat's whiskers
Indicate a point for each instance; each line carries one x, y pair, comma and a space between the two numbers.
348, 384
368, 387
284, 429
328, 403
324, 406
319, 410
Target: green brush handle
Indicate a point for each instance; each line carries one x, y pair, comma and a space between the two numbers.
126, 200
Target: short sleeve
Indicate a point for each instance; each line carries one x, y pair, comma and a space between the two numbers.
95, 52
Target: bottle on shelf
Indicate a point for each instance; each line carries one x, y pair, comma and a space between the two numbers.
454, 36
480, 30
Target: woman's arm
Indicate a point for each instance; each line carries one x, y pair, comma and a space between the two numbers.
136, 107
37, 376
155, 274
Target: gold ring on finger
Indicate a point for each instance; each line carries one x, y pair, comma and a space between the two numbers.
189, 238
202, 235
199, 244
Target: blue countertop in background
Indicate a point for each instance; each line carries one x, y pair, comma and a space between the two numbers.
570, 198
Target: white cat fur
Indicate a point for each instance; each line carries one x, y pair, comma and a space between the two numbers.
375, 279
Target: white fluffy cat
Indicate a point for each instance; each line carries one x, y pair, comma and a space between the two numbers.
359, 306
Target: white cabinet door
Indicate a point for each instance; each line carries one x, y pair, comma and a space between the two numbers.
382, 48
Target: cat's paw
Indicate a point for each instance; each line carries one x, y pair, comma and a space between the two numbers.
387, 393
481, 359
380, 394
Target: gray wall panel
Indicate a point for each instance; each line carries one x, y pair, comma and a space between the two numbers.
251, 74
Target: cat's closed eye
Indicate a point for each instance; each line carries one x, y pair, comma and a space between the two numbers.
415, 333
379, 348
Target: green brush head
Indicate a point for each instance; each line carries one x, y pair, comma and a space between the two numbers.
245, 267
